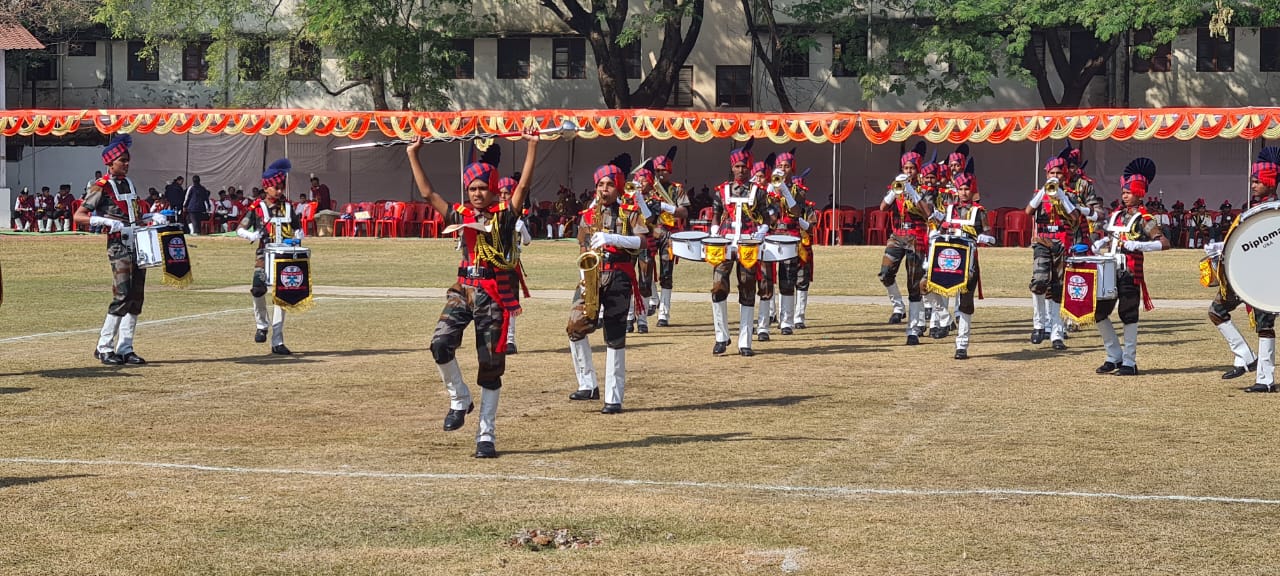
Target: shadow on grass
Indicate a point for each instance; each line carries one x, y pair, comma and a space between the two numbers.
731, 404
6, 482
14, 390
79, 372
299, 356
667, 440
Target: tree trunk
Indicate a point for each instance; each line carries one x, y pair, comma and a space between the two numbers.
770, 64
378, 88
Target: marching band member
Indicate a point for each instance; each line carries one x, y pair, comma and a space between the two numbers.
257, 227
937, 187
737, 204
638, 194
909, 242
1262, 186
1199, 225
674, 202
115, 341
612, 232
522, 238
1142, 234
769, 213
794, 274
1056, 218
966, 217
482, 293
804, 275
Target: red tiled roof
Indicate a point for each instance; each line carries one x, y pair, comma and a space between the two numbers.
15, 37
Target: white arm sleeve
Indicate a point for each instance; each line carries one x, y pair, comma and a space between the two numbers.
1037, 199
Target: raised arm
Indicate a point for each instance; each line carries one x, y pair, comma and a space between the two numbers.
526, 174
420, 178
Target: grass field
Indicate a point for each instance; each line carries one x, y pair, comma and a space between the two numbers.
834, 451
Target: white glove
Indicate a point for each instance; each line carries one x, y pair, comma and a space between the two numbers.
934, 233
1101, 244
668, 208
779, 173
1213, 249
715, 230
1036, 200
888, 198
159, 219
114, 226
985, 239
299, 234
938, 215
250, 235
1137, 246
761, 232
1086, 211
804, 224
602, 239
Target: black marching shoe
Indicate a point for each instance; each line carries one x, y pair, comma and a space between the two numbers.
762, 337
281, 349
631, 327
133, 358
652, 310
896, 318
913, 340
773, 319
511, 348
720, 348
787, 332
109, 358
486, 450
1238, 371
745, 352
454, 419
1037, 336
1261, 388
1059, 345
962, 354
801, 325
260, 335
611, 409
643, 329
1127, 370
1107, 367
663, 323
592, 394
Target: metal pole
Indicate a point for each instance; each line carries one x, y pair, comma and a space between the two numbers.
835, 185
1035, 170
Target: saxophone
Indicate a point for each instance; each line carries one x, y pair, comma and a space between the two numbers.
589, 265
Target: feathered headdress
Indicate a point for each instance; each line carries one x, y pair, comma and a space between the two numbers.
789, 157
117, 147
960, 155
799, 180
485, 169
916, 155
274, 175
1267, 167
617, 170
645, 172
507, 183
665, 162
968, 178
742, 155
764, 167
932, 166
1138, 176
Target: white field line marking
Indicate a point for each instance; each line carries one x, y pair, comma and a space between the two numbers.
144, 323
828, 490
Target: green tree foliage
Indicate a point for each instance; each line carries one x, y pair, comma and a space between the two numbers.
610, 29
396, 49
951, 50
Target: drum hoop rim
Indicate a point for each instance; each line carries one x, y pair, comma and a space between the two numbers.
689, 235
1229, 247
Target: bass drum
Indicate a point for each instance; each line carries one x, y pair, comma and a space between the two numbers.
688, 245
1249, 257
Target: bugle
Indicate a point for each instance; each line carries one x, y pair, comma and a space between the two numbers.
567, 128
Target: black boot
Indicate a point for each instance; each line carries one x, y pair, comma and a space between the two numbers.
592, 394
454, 419
486, 450
1107, 367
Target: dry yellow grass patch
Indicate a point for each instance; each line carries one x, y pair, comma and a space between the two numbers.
333, 461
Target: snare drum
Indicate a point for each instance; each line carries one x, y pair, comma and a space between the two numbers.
713, 241
1249, 255
780, 247
1106, 277
275, 252
688, 245
146, 246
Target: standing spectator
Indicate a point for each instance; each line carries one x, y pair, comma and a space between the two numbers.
196, 205
97, 174
320, 193
175, 192
62, 207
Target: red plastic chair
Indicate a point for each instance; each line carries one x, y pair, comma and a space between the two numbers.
1016, 226
309, 219
389, 221
849, 221
704, 220
877, 230
75, 207
346, 225
433, 221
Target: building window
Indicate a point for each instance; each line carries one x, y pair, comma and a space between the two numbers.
1160, 61
85, 48
849, 55
142, 63
682, 89
464, 68
195, 67
1269, 58
1215, 54
568, 58
513, 58
793, 61
304, 61
43, 65
631, 55
255, 57
733, 86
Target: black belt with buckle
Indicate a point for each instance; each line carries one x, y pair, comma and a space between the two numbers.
1050, 228
615, 258
907, 226
475, 273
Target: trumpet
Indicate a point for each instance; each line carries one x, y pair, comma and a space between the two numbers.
1051, 187
567, 128
898, 187
631, 187
777, 179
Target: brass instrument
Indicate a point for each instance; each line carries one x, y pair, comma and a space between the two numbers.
898, 187
777, 179
667, 219
589, 264
1051, 187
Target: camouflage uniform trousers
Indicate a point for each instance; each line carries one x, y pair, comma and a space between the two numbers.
1129, 297
666, 262
644, 270
966, 297
901, 249
128, 281
1264, 323
464, 305
615, 297
746, 282
1048, 267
